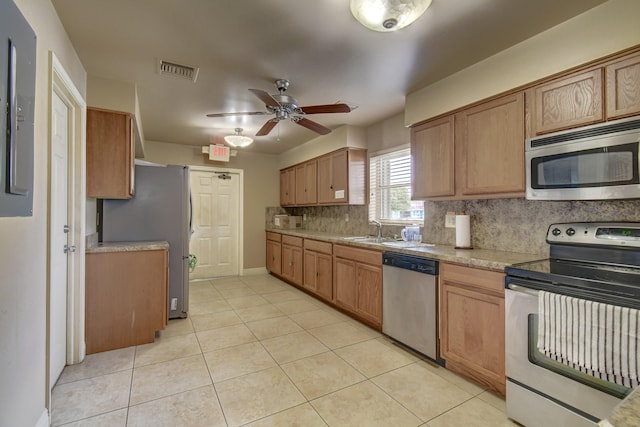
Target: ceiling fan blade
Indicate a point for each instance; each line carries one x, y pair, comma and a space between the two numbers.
310, 124
265, 97
329, 108
266, 128
248, 113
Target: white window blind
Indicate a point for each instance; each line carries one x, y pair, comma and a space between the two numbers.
390, 188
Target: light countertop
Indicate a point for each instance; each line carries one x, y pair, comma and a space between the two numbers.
127, 246
482, 258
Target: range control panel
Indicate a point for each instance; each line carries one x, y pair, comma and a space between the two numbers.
595, 233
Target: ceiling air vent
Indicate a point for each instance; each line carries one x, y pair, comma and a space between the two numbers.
178, 70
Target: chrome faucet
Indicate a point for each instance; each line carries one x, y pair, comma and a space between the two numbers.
379, 227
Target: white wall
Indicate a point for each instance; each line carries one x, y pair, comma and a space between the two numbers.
23, 269
608, 28
344, 136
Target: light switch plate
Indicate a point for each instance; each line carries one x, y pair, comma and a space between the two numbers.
450, 220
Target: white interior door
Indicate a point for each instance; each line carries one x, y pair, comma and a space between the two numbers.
216, 223
59, 228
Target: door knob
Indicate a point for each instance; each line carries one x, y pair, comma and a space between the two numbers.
68, 249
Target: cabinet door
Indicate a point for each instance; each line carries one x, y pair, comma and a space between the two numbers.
274, 257
472, 333
432, 155
287, 187
325, 191
126, 298
306, 193
369, 292
623, 87
333, 178
568, 102
490, 144
345, 288
292, 264
340, 176
310, 271
324, 276
110, 154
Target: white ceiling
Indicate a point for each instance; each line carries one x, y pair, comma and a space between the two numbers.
316, 44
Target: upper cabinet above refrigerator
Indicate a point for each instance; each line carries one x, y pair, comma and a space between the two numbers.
110, 154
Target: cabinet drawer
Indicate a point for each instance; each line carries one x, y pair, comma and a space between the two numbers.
473, 277
358, 255
292, 241
276, 237
317, 246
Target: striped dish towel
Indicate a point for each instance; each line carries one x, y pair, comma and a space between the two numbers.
598, 339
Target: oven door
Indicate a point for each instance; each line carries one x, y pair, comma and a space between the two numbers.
540, 391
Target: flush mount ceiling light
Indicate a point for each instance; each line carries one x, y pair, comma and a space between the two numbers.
238, 140
388, 15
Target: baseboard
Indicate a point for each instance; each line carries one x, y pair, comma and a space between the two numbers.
254, 271
43, 421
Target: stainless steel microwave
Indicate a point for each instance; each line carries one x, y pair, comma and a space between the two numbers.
597, 162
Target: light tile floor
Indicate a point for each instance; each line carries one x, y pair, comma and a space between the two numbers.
258, 352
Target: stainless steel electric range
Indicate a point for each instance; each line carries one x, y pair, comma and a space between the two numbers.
572, 326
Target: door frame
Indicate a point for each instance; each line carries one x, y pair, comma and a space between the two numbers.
240, 173
61, 84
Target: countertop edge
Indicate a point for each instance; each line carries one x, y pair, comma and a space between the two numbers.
480, 258
106, 247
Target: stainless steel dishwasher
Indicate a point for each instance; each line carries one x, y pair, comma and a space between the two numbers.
409, 296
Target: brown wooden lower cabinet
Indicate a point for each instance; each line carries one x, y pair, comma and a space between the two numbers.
318, 268
126, 298
292, 259
472, 323
357, 282
274, 253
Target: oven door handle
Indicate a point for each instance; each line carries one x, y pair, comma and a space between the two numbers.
522, 290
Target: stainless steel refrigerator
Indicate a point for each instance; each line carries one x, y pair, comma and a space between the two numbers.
160, 210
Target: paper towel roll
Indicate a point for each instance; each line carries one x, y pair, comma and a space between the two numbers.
463, 231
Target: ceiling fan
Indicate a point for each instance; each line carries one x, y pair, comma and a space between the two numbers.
286, 107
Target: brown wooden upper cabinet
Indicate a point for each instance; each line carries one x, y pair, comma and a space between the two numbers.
567, 102
478, 153
110, 154
623, 87
490, 144
432, 159
288, 187
608, 91
306, 183
337, 178
341, 177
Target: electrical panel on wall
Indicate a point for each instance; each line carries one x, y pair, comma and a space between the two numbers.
17, 97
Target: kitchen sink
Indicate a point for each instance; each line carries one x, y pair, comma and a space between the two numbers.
403, 244
364, 239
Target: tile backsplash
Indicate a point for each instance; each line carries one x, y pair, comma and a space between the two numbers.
520, 225
515, 225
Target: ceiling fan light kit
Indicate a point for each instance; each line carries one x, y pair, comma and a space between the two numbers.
388, 15
237, 139
286, 107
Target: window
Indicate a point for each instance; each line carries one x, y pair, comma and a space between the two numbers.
390, 189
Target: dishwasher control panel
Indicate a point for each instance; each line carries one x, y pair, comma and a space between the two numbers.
410, 262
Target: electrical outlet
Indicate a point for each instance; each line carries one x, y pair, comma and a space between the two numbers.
174, 303
450, 220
